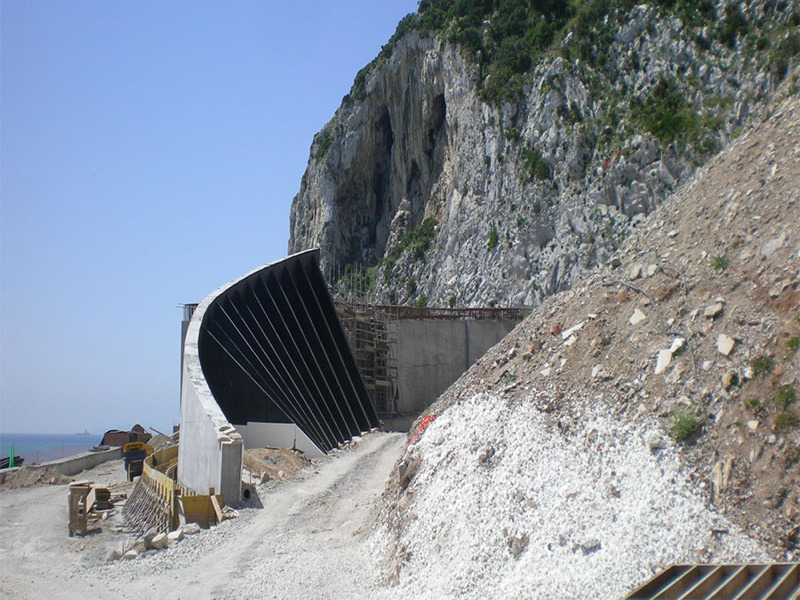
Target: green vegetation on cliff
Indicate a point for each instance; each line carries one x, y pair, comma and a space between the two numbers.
576, 102
507, 37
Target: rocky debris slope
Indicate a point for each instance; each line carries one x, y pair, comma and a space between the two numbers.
271, 464
435, 184
648, 416
28, 477
512, 501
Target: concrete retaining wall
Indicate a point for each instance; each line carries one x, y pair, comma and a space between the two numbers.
432, 354
210, 449
72, 465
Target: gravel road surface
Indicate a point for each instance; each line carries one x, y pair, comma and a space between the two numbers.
309, 539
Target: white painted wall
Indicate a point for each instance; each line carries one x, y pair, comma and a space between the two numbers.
201, 446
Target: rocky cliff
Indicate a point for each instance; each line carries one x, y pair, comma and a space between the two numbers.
647, 417
455, 175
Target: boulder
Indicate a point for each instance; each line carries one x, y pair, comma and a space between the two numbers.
174, 536
159, 542
140, 546
122, 547
677, 344
600, 372
148, 537
663, 360
729, 380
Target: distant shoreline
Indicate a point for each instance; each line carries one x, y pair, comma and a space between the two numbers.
37, 448
43, 456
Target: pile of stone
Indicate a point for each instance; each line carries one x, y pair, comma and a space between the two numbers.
151, 542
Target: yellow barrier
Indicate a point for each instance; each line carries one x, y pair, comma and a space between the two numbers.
157, 480
201, 509
158, 501
174, 499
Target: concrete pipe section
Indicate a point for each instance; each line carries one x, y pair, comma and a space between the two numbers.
266, 363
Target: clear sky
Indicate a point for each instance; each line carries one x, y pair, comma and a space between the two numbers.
149, 152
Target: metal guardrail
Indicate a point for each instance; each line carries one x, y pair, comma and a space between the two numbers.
780, 581
399, 313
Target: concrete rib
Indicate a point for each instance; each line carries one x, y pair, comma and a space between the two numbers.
322, 345
288, 382
332, 435
265, 388
331, 395
298, 410
338, 351
342, 436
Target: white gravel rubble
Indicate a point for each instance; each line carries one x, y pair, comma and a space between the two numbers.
587, 507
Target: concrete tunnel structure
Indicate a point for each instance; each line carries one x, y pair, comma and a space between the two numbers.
266, 360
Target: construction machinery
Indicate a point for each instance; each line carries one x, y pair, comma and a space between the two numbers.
133, 455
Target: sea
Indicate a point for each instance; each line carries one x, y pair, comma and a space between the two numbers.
43, 447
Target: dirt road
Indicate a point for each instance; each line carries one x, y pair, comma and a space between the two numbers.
309, 539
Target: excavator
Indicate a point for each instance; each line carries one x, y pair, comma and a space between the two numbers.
133, 455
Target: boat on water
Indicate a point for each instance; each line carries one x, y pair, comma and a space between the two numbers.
6, 462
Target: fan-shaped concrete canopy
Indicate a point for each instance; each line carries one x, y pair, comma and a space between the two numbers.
267, 348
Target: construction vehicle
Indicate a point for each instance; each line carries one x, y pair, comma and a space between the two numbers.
133, 455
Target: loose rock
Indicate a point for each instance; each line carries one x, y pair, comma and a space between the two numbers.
729, 380
663, 360
637, 317
174, 536
725, 344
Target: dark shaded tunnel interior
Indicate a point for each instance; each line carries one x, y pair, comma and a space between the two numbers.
273, 350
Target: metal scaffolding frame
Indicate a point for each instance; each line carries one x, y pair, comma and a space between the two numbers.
373, 338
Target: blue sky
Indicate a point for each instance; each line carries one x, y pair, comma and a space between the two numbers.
149, 152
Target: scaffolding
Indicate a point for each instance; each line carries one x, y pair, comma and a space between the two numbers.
371, 329
373, 339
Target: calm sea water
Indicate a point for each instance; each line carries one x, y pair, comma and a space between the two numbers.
43, 447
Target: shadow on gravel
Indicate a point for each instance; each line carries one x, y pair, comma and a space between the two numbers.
400, 424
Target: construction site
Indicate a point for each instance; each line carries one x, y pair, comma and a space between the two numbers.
284, 392
634, 437
272, 360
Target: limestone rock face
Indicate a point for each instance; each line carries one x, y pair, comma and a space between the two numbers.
527, 196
